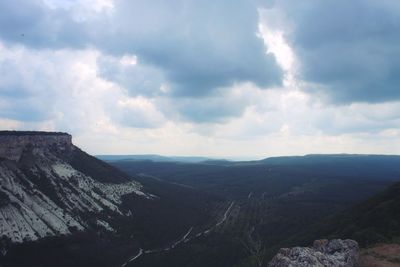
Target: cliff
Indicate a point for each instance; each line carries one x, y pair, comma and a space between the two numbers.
49, 187
14, 143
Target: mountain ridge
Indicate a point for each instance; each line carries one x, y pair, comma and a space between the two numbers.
49, 187
155, 157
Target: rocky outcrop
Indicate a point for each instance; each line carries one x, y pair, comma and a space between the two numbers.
323, 253
13, 144
48, 187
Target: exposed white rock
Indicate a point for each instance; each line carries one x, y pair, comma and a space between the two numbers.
47, 196
105, 225
64, 170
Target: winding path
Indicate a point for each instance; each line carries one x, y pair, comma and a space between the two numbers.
140, 253
183, 239
225, 214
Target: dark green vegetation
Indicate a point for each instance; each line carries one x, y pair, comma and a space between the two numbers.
376, 220
230, 213
81, 249
155, 223
93, 167
274, 200
159, 222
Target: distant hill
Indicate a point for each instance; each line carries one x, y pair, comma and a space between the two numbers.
354, 161
332, 158
153, 157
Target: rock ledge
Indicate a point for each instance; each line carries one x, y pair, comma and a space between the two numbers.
13, 143
323, 253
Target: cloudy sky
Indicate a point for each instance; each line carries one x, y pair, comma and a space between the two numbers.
226, 78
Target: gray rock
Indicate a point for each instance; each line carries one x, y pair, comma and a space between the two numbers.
13, 145
43, 193
323, 253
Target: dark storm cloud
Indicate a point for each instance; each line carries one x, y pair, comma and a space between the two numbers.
217, 108
192, 48
198, 45
349, 50
33, 24
137, 79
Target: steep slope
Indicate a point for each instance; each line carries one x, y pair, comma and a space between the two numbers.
374, 224
49, 187
376, 220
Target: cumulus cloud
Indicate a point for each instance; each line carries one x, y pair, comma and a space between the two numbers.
223, 105
27, 84
347, 49
136, 78
62, 88
137, 112
185, 77
36, 25
199, 45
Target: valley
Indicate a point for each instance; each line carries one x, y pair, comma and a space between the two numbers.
269, 202
170, 213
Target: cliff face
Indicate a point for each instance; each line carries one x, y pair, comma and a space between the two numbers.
49, 187
324, 253
13, 144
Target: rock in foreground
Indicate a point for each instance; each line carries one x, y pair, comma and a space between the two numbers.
324, 253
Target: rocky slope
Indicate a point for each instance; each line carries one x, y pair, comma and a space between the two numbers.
49, 187
324, 253
382, 255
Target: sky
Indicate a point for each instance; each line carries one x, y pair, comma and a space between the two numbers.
241, 79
